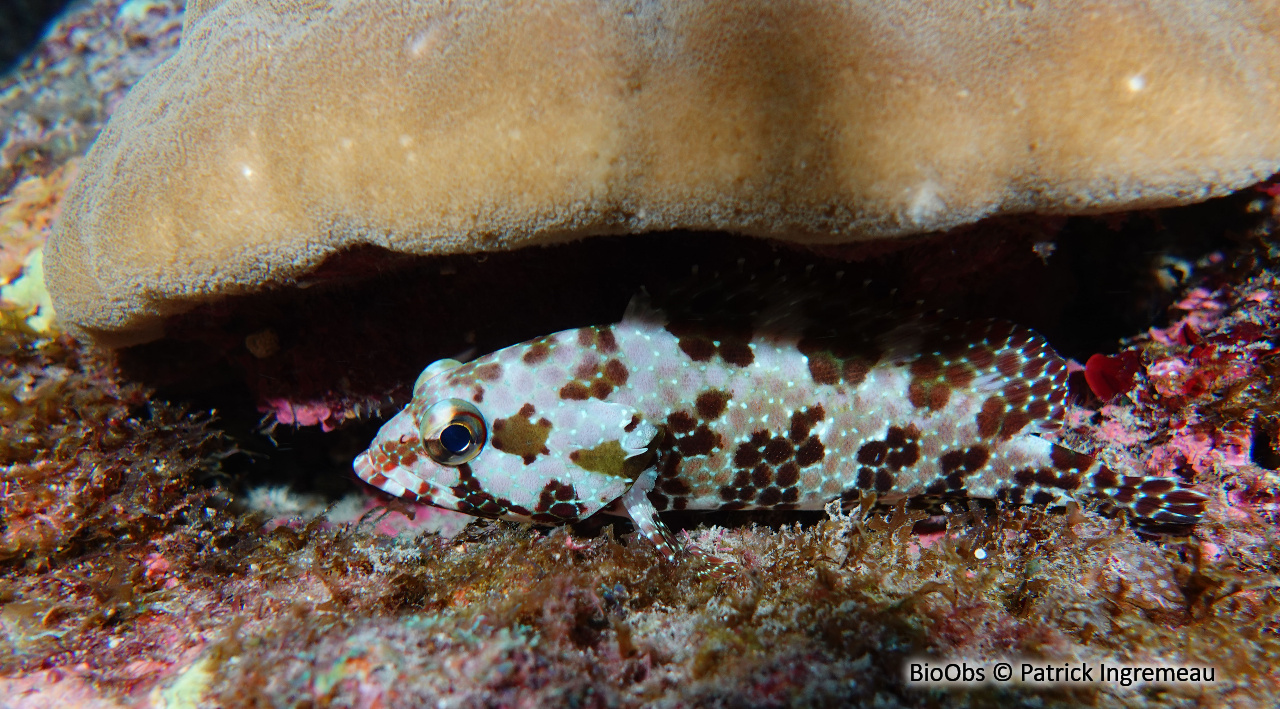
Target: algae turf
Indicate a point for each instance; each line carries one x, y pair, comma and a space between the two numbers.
90, 463
507, 616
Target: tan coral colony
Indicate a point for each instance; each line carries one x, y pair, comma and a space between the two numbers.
282, 132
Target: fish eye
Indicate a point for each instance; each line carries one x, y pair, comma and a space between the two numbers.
456, 438
453, 431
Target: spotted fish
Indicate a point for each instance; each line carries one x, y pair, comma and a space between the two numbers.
752, 399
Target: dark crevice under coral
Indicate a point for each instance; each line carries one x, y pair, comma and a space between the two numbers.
366, 336
352, 344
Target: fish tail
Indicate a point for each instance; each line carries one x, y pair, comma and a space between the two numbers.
1161, 499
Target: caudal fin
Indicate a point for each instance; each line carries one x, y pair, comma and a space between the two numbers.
1166, 500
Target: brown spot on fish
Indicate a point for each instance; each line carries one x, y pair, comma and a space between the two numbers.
1066, 459
928, 388
703, 340
981, 357
1147, 505
564, 510
575, 391
788, 474
975, 457
616, 372
810, 452
1013, 422
701, 442
692, 342
1008, 363
866, 476
855, 370
1106, 478
1038, 410
769, 497
520, 436
990, 416
491, 372
674, 486
1016, 393
739, 354
1157, 486
711, 404
778, 451
904, 451
751, 452
761, 476
959, 376
557, 503
803, 421
474, 500
536, 353
926, 367
587, 367
681, 422
823, 369
606, 342
872, 453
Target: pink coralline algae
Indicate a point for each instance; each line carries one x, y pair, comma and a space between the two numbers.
1202, 313
1202, 449
1204, 368
301, 414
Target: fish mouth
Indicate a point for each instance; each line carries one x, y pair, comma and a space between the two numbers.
366, 471
402, 482
364, 468
396, 481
